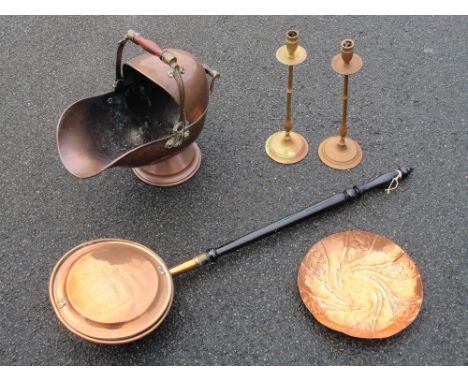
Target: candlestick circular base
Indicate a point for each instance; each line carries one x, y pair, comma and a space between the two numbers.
173, 171
340, 157
286, 149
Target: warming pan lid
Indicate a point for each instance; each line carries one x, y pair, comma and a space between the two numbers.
111, 290
360, 284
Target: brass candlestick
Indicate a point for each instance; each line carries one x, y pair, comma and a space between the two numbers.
342, 152
288, 147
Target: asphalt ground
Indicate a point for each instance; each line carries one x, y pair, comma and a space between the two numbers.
407, 106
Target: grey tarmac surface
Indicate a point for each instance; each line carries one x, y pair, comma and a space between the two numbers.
407, 106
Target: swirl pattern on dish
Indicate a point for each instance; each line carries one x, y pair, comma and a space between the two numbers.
360, 284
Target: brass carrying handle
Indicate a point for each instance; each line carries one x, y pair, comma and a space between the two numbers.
168, 58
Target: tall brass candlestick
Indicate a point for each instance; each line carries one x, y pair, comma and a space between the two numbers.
341, 152
286, 146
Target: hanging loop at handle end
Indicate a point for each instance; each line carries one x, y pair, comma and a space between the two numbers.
394, 183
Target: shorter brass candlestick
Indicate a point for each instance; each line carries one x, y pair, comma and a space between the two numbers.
288, 147
341, 152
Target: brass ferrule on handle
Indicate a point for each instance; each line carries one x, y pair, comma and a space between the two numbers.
188, 265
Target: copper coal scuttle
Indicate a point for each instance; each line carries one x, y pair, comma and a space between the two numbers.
149, 122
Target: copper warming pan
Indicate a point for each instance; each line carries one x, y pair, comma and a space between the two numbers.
149, 122
114, 291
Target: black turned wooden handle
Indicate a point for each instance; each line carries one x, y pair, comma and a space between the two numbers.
333, 201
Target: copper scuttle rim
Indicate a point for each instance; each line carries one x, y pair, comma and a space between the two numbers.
125, 265
360, 284
122, 156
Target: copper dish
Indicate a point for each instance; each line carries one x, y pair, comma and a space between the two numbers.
360, 284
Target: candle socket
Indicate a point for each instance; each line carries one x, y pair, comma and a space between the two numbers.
292, 38
347, 50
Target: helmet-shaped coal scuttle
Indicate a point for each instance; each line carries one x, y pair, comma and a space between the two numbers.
149, 122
